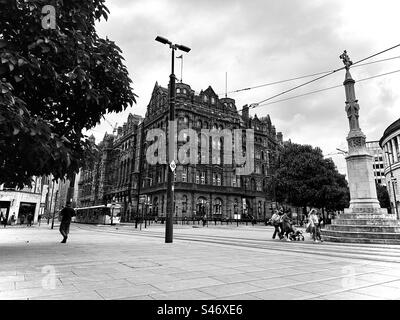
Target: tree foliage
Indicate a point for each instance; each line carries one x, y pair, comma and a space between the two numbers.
304, 178
53, 84
383, 196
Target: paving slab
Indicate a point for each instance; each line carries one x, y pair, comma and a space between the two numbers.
231, 289
192, 294
126, 292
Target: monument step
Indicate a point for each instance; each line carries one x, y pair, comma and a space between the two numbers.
360, 240
360, 234
367, 216
364, 210
366, 222
364, 228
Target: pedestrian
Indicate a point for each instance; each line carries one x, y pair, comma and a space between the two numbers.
319, 226
312, 224
2, 218
66, 215
13, 219
22, 219
286, 226
30, 218
276, 222
6, 220
39, 218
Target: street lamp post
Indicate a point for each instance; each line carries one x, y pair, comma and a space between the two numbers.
54, 212
393, 185
171, 140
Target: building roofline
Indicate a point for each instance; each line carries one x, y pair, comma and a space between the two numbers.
389, 130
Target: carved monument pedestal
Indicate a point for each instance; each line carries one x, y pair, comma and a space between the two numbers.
364, 221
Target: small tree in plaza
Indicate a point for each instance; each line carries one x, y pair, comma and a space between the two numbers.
54, 82
383, 196
304, 178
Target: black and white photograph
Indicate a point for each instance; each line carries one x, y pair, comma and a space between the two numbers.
199, 155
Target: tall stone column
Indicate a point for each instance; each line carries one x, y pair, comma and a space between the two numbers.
398, 143
395, 155
359, 162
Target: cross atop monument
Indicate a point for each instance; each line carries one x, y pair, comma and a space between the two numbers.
346, 60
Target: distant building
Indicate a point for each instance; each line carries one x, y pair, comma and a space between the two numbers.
390, 143
376, 151
114, 176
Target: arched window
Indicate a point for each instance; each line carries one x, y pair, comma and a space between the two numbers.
205, 99
212, 100
218, 206
155, 206
199, 124
201, 206
253, 185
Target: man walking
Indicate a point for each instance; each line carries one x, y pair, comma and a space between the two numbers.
66, 215
30, 218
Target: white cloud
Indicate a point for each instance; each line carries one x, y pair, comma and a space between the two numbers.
262, 41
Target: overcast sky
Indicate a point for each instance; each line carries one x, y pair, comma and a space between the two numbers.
262, 41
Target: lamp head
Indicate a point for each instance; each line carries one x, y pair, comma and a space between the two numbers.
163, 40
182, 48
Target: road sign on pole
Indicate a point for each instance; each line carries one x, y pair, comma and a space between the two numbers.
172, 165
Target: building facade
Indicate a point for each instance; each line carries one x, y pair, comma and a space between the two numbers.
21, 203
390, 143
207, 186
113, 177
378, 166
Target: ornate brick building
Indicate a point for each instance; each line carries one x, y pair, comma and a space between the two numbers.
206, 188
209, 186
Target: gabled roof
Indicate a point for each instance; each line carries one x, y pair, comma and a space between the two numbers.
209, 91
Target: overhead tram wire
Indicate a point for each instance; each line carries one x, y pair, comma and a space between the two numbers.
304, 94
321, 77
320, 90
307, 76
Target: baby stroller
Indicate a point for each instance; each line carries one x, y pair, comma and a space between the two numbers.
296, 235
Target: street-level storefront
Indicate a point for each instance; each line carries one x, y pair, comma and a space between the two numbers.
196, 204
20, 204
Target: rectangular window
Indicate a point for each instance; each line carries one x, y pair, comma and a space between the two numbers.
203, 178
219, 180
184, 177
214, 179
197, 178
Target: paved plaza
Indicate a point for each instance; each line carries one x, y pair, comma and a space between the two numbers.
215, 262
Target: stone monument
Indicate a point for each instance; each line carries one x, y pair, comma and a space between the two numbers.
364, 221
